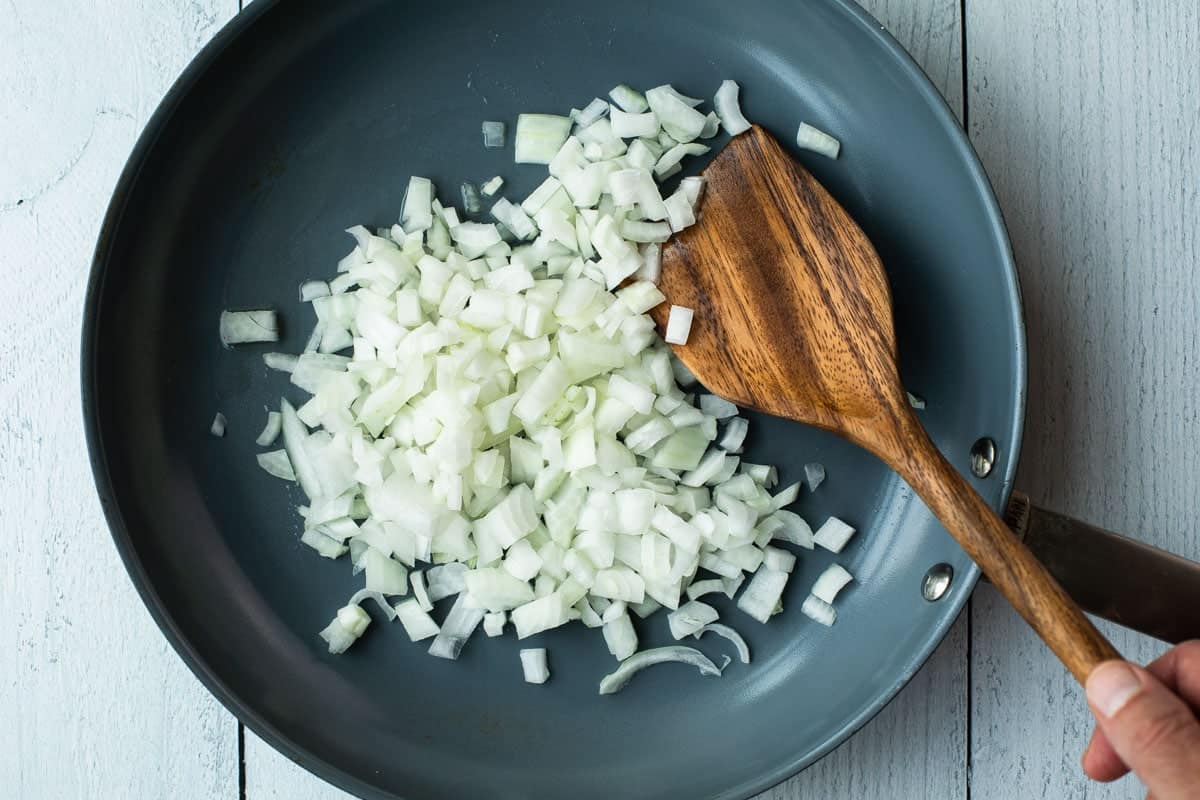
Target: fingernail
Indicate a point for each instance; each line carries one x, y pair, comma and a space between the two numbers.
1111, 686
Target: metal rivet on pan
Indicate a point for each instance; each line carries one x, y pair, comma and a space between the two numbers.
983, 457
937, 581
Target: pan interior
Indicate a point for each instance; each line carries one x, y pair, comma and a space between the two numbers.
310, 119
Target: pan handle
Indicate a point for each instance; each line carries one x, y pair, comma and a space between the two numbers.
1124, 581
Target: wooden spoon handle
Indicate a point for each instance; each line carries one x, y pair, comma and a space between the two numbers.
1010, 566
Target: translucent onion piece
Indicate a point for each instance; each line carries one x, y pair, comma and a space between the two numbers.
243, 327
830, 582
617, 680
534, 666
728, 109
810, 138
833, 535
743, 650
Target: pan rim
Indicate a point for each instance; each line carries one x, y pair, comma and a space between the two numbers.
243, 710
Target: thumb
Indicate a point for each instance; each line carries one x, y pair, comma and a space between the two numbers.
1152, 730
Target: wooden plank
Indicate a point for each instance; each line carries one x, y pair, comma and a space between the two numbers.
1084, 114
94, 702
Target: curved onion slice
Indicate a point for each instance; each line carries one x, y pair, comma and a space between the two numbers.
729, 633
380, 600
616, 680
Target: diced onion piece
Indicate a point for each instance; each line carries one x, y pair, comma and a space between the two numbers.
417, 213
445, 580
539, 137
679, 325
591, 112
724, 631
728, 109
420, 593
533, 665
491, 185
810, 138
470, 198
830, 582
717, 407
785, 497
698, 589
763, 593
460, 623
779, 559
814, 475
629, 100
278, 464
295, 437
244, 327
690, 617
270, 431
310, 290
282, 362
629, 126
679, 119
218, 425
416, 620
817, 609
620, 637
735, 435
793, 529
916, 402
493, 624
493, 134
619, 678
833, 535
345, 629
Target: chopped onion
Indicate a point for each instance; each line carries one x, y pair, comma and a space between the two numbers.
243, 327
810, 138
493, 624
778, 559
763, 593
818, 610
420, 593
370, 594
417, 214
620, 636
734, 436
278, 464
679, 325
629, 100
743, 650
270, 431
345, 629
493, 134
539, 137
470, 198
591, 112
310, 290
833, 535
218, 425
282, 362
619, 678
690, 617
460, 623
830, 582
793, 528
814, 475
416, 620
533, 665
916, 402
728, 109
491, 186
717, 407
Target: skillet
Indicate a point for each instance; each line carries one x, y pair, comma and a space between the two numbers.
303, 118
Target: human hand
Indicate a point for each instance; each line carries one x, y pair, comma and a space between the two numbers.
1147, 722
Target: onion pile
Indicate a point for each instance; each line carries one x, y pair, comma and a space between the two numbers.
490, 397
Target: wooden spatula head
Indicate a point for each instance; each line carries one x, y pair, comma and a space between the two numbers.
793, 313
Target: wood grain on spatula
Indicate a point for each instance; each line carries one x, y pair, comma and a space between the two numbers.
794, 318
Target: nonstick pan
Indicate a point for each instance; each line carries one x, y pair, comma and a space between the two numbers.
303, 118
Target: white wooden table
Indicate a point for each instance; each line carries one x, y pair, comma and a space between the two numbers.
1085, 115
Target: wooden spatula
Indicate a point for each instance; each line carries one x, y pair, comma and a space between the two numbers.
793, 317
